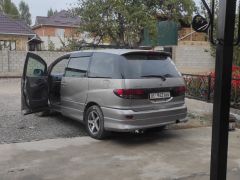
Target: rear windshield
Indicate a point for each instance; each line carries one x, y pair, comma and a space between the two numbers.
142, 65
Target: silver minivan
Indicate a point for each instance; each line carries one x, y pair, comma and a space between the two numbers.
108, 90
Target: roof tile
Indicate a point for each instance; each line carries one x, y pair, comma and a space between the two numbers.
62, 18
12, 26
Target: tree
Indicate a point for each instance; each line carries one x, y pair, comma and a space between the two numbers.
173, 9
123, 21
24, 12
236, 54
51, 46
51, 12
9, 8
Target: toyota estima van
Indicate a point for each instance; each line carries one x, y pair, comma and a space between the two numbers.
108, 90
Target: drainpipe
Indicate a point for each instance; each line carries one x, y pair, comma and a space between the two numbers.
8, 59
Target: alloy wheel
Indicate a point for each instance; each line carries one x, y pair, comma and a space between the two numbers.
93, 122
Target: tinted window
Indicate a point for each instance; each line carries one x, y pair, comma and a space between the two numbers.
34, 68
77, 67
144, 65
59, 68
104, 66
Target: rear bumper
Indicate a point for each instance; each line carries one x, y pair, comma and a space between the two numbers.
116, 119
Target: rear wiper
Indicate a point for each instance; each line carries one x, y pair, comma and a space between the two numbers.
100, 77
168, 75
155, 76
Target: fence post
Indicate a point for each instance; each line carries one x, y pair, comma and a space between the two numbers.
5, 66
209, 88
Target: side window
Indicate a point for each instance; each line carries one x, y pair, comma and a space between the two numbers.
77, 67
59, 68
11, 45
35, 68
104, 66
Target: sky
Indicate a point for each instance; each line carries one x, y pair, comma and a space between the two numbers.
41, 7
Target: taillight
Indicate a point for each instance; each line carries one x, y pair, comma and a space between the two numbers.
180, 90
130, 93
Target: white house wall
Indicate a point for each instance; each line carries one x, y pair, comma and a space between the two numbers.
56, 41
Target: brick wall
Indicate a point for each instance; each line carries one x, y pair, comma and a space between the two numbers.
12, 62
51, 31
48, 33
193, 37
189, 58
194, 57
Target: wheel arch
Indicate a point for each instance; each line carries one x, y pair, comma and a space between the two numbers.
88, 105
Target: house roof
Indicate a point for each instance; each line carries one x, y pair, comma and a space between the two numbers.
60, 19
14, 26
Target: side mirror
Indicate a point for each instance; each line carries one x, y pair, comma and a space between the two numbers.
200, 24
38, 72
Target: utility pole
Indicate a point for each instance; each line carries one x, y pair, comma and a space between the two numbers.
224, 58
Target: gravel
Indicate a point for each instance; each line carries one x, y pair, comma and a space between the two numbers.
14, 127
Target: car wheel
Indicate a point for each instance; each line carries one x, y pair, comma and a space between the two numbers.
94, 121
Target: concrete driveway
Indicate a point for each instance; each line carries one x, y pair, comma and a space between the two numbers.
172, 154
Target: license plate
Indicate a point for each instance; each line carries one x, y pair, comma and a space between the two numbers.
160, 95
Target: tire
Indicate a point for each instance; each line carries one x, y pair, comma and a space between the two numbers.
94, 121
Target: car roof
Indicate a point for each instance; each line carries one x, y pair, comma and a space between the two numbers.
112, 51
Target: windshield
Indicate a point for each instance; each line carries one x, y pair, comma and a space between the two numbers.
149, 66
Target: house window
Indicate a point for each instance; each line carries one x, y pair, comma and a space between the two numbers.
13, 45
6, 44
60, 32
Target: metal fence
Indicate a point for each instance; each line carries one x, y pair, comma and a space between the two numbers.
201, 87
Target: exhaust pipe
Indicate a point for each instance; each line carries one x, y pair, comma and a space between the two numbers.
139, 131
